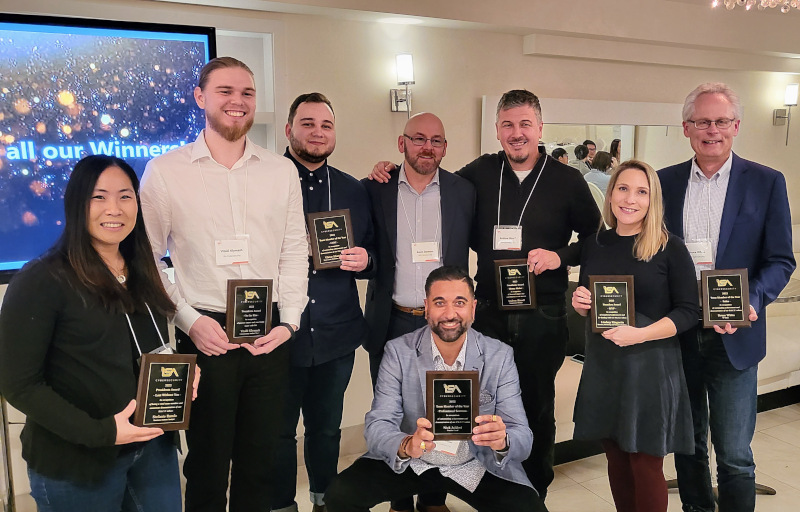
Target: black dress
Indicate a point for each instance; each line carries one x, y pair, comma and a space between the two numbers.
637, 395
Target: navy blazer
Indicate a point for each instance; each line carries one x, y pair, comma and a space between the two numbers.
400, 400
755, 233
457, 197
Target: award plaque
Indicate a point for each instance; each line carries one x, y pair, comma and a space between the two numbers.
515, 285
249, 309
726, 297
452, 403
331, 233
164, 396
612, 302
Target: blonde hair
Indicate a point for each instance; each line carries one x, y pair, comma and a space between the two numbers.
654, 235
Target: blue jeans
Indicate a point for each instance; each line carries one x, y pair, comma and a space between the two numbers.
319, 392
725, 399
144, 478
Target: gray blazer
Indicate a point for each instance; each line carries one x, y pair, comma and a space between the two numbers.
400, 399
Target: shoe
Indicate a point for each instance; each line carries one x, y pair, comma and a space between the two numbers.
432, 508
319, 508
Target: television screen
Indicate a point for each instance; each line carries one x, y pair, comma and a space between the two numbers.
74, 87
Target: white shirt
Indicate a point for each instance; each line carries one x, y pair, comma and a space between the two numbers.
189, 201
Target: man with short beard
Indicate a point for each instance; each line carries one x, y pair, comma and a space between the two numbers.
422, 220
332, 326
226, 208
532, 204
403, 459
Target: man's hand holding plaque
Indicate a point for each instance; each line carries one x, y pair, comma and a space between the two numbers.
725, 297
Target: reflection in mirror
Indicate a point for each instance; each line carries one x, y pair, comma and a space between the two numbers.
659, 146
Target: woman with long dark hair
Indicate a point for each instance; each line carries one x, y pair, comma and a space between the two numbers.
632, 395
73, 324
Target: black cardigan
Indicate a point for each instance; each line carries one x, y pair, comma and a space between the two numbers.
69, 366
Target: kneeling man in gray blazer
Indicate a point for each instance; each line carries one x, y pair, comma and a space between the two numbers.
403, 459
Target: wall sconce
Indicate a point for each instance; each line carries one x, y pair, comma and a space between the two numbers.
781, 116
401, 99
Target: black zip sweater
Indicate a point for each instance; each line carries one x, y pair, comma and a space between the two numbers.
560, 204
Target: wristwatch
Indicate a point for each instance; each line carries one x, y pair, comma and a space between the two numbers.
292, 332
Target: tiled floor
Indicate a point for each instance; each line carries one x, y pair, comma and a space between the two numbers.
582, 486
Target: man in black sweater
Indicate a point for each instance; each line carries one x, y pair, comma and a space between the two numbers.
531, 204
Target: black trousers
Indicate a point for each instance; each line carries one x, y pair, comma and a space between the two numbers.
539, 339
233, 429
369, 482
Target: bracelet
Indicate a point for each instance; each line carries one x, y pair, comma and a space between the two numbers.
404, 446
292, 332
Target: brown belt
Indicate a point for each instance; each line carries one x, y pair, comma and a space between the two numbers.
411, 311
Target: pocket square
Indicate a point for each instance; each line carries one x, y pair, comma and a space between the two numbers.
486, 397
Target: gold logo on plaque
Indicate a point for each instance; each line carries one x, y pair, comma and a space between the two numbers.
169, 372
451, 388
251, 294
610, 289
724, 282
330, 224
514, 272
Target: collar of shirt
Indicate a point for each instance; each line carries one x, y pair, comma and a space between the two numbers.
439, 359
200, 150
306, 175
720, 176
402, 178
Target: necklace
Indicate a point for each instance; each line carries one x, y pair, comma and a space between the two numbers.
118, 274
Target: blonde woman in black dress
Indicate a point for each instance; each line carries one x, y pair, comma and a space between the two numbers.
632, 395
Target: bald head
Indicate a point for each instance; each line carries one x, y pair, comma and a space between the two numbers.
425, 158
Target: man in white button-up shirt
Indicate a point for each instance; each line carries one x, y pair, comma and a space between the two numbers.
223, 191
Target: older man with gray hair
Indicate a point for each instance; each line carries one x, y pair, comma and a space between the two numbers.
732, 213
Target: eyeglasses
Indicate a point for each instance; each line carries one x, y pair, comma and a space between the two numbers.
703, 124
436, 142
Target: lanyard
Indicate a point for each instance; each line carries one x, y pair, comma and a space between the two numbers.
228, 175
135, 340
414, 231
500, 191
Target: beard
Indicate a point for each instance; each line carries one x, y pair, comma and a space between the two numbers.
517, 158
308, 156
449, 335
229, 133
423, 167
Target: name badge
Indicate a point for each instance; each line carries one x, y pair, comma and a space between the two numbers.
448, 447
232, 252
507, 238
424, 252
701, 252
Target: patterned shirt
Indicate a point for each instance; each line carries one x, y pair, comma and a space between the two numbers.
703, 205
463, 468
